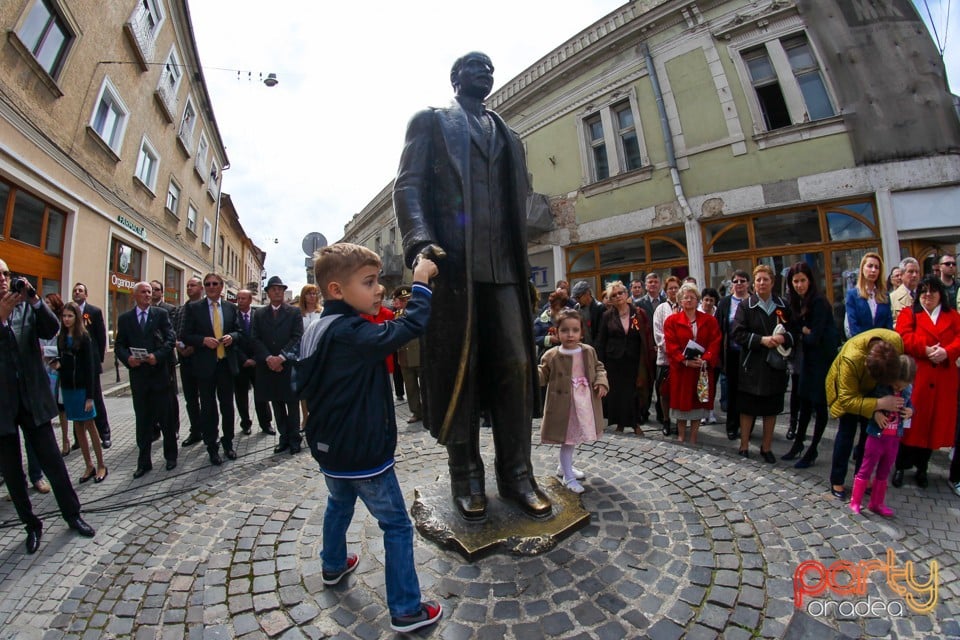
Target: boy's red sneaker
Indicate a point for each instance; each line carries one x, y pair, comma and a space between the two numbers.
334, 577
429, 613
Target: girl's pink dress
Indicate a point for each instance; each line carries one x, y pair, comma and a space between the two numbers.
581, 427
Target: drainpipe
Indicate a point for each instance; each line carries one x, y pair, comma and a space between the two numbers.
690, 224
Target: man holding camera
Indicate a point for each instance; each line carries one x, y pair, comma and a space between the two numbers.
26, 402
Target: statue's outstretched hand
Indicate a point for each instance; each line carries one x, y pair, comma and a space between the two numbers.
432, 251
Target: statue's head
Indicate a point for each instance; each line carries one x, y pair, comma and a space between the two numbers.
472, 75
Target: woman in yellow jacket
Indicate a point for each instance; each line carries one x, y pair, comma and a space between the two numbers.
866, 360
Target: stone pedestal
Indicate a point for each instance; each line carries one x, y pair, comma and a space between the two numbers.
506, 528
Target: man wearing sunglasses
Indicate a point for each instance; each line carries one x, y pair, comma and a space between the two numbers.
210, 327
726, 310
948, 276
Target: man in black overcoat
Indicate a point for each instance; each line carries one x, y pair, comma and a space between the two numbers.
173, 403
147, 328
460, 198
27, 404
247, 374
210, 327
275, 336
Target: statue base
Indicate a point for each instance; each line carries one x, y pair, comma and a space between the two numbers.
506, 528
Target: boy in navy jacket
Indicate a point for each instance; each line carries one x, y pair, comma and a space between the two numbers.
351, 426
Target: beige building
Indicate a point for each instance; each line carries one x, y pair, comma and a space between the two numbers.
239, 260
111, 161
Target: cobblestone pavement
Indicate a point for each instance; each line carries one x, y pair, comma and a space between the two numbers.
684, 542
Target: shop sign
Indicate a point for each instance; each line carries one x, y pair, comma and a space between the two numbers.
121, 282
130, 225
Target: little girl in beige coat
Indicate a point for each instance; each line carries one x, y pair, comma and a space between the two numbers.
575, 381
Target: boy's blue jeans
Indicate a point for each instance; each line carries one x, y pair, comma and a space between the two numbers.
384, 500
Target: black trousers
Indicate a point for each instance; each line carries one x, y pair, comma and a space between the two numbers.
191, 396
173, 407
398, 384
499, 379
287, 416
242, 383
45, 446
217, 390
732, 371
151, 406
103, 424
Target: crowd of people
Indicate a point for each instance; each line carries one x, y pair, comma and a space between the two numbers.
889, 372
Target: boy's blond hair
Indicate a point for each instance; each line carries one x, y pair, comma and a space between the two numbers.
337, 262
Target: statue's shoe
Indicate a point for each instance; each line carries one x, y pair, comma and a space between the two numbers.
472, 507
532, 501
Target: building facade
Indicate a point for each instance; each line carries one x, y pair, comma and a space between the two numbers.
111, 161
695, 137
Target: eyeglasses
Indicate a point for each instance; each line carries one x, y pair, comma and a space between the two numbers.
6, 274
739, 281
213, 283
948, 264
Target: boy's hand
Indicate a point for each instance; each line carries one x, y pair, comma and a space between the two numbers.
425, 270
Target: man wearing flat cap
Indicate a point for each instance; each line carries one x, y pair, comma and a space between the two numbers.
408, 357
590, 309
275, 336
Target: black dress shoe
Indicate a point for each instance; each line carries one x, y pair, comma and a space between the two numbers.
270, 431
768, 457
897, 479
922, 480
139, 473
280, 448
33, 539
733, 435
75, 446
191, 439
745, 453
532, 502
294, 449
666, 428
215, 459
471, 507
171, 465
791, 433
106, 443
81, 527
794, 452
230, 452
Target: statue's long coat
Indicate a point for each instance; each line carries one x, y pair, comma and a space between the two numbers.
432, 201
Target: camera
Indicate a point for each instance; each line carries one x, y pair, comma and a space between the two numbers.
22, 285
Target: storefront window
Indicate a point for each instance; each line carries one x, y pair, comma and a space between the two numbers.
794, 227
629, 251
720, 273
27, 223
668, 245
54, 241
125, 268
851, 224
172, 284
584, 261
723, 237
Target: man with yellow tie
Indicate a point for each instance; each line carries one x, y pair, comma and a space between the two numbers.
210, 327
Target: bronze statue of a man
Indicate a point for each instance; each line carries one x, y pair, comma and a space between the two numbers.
460, 197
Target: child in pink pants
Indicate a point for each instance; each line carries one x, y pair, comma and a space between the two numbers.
883, 439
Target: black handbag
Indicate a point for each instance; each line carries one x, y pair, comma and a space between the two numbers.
776, 360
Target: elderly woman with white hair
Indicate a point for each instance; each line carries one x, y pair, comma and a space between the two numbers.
680, 332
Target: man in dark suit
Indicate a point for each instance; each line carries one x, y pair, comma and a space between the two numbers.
93, 321
460, 198
649, 302
173, 404
191, 391
210, 327
275, 336
144, 344
26, 403
245, 379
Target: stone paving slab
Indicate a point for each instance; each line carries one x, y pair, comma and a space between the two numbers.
684, 542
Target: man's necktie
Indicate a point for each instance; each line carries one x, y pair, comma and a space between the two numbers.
218, 331
143, 320
246, 323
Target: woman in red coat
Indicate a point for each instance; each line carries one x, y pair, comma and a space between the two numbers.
678, 330
931, 334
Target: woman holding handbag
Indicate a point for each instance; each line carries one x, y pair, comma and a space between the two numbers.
692, 342
760, 327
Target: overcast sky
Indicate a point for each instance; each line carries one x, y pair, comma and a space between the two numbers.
309, 153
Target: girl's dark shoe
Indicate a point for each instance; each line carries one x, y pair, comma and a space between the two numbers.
88, 475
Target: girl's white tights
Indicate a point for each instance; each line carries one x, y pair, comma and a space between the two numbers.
566, 461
